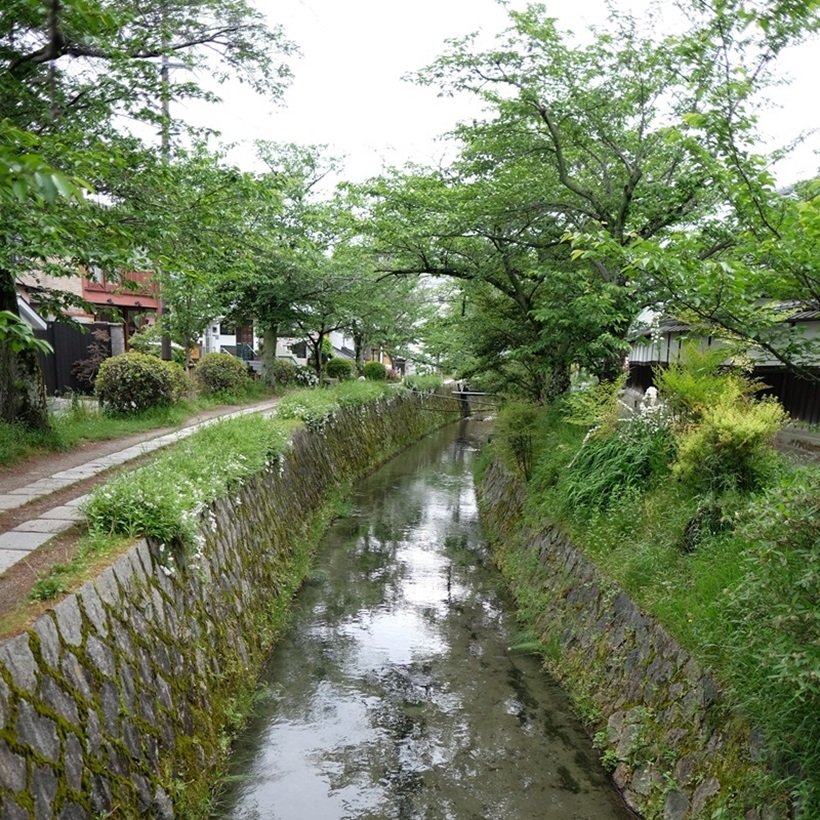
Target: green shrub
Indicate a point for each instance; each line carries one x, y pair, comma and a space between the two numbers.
612, 465
698, 382
181, 381
516, 428
729, 447
316, 407
775, 652
375, 371
161, 500
221, 373
283, 372
339, 368
132, 382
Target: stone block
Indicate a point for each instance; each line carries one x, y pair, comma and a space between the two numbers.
124, 571
8, 558
93, 734
127, 685
66, 512
69, 620
74, 763
77, 675
16, 656
122, 639
685, 770
37, 731
43, 790
26, 541
12, 502
101, 798
110, 702
12, 810
44, 525
12, 769
705, 790
101, 656
676, 806
94, 610
56, 698
5, 694
46, 631
107, 587
73, 811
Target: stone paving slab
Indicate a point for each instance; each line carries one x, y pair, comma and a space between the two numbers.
65, 512
51, 525
27, 541
11, 502
8, 558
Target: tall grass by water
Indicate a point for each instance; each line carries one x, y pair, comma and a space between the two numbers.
731, 568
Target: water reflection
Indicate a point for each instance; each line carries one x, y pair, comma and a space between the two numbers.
394, 696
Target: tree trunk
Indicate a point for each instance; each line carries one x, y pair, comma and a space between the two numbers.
22, 389
317, 353
270, 336
557, 382
358, 350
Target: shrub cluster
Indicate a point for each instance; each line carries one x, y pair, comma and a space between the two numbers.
616, 463
132, 382
516, 428
340, 368
316, 407
375, 371
180, 381
729, 447
221, 373
775, 654
161, 500
283, 372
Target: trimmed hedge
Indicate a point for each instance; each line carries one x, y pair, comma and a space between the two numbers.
375, 371
339, 368
132, 382
220, 372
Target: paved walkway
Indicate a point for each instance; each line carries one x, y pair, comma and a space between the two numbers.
17, 543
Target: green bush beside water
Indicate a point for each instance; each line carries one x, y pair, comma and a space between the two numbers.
162, 499
690, 510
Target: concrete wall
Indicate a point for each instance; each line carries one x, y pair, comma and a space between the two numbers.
114, 702
675, 750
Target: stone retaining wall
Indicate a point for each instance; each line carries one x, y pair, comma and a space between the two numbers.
114, 702
674, 749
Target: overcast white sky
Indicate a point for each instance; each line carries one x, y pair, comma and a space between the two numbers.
348, 92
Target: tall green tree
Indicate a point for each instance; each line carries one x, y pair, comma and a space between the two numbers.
591, 155
70, 75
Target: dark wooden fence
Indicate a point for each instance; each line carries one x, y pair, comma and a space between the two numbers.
71, 344
799, 397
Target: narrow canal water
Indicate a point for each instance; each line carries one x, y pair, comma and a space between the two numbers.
395, 694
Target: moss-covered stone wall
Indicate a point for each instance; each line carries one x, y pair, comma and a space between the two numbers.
115, 702
675, 750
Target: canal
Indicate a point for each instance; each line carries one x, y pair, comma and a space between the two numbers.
395, 694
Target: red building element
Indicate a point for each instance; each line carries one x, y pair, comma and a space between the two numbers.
130, 297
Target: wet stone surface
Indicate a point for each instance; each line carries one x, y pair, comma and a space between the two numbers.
396, 694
